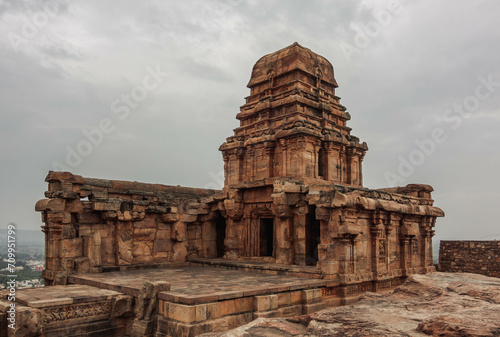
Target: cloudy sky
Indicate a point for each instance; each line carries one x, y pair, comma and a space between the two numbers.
148, 91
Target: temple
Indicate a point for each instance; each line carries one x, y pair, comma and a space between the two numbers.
292, 231
293, 125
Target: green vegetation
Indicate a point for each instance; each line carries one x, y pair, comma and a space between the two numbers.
25, 274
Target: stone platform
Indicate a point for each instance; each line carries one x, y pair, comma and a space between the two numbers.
193, 284
212, 299
203, 295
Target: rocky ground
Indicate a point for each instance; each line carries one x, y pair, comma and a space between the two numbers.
438, 304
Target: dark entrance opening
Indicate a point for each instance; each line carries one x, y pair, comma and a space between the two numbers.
220, 227
266, 236
313, 237
321, 164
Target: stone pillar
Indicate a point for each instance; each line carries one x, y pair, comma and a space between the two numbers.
379, 249
327, 255
389, 231
94, 249
347, 254
208, 239
332, 154
283, 240
234, 168
232, 242
249, 232
342, 162
299, 238
269, 153
327, 167
234, 222
249, 172
240, 155
361, 157
52, 256
284, 157
301, 148
405, 241
61, 245
253, 224
349, 169
427, 233
430, 253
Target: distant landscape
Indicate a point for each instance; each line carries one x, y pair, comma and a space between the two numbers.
29, 253
23, 237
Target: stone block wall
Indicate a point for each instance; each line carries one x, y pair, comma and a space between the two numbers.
364, 235
479, 257
97, 224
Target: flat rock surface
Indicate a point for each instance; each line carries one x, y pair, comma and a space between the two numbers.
198, 282
438, 304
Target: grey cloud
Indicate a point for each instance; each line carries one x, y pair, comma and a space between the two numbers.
396, 90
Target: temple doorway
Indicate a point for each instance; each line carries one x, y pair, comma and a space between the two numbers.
266, 237
220, 227
313, 237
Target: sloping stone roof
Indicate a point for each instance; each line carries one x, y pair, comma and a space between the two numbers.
290, 58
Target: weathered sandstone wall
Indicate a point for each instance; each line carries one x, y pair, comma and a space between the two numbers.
479, 257
97, 224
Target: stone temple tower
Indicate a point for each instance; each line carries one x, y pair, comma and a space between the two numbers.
293, 125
